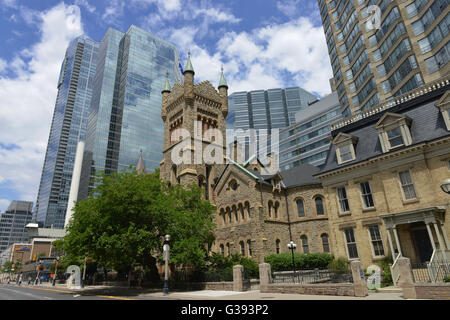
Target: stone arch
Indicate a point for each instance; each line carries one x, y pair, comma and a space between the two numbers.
300, 206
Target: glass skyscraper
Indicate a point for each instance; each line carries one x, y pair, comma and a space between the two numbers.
307, 140
69, 122
125, 113
13, 222
265, 109
374, 63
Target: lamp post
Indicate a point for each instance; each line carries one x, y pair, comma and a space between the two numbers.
84, 271
166, 249
56, 271
292, 246
445, 186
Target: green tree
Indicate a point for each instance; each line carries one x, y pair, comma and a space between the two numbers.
125, 219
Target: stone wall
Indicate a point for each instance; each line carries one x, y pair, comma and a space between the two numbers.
433, 291
332, 289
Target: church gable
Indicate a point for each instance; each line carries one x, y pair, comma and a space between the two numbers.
231, 175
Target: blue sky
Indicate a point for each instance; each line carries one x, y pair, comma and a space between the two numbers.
261, 44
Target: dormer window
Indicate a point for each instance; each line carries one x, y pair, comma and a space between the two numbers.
345, 147
444, 107
395, 138
393, 131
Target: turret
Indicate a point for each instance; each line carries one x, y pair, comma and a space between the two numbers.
189, 81
165, 94
223, 91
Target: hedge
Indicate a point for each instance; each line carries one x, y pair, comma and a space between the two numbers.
283, 261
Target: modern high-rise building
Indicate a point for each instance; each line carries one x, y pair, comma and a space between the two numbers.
380, 49
69, 122
13, 222
307, 140
265, 110
125, 113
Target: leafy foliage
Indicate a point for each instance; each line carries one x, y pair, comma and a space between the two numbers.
340, 264
125, 219
386, 275
283, 261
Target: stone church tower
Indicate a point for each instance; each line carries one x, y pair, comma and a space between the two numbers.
194, 131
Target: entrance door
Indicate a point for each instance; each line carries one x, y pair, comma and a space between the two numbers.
423, 245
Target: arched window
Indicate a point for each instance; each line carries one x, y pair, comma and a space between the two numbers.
249, 246
270, 209
222, 213
222, 250
229, 215
242, 245
236, 217
325, 243
277, 246
277, 205
300, 208
319, 206
305, 246
228, 250
241, 208
247, 206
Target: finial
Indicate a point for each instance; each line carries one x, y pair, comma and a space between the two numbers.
167, 84
223, 82
189, 66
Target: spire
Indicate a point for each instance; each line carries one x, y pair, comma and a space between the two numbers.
223, 82
189, 66
140, 166
167, 84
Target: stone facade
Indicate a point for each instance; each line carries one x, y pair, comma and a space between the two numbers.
254, 217
408, 211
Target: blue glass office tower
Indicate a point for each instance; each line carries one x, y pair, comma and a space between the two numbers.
125, 114
69, 122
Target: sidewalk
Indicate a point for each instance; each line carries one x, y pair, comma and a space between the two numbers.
145, 294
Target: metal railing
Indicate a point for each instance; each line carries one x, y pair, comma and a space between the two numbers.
312, 276
439, 266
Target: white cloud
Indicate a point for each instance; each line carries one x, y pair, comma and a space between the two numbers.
113, 11
28, 100
4, 203
278, 55
3, 65
86, 5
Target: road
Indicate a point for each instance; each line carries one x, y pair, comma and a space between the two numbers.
14, 292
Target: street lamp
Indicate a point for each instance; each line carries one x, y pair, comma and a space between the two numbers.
292, 246
445, 186
166, 249
84, 271
56, 271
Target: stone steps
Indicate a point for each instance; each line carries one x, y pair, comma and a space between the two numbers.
390, 290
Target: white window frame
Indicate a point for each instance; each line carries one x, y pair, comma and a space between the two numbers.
411, 184
347, 243
351, 152
371, 241
339, 199
365, 194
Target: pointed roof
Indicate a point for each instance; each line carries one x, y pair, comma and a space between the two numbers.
167, 84
189, 66
140, 166
223, 82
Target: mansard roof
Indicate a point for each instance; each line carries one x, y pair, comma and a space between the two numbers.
427, 125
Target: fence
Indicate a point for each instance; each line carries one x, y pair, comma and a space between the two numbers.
430, 272
312, 276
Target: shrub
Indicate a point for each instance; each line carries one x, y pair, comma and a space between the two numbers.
447, 278
386, 277
283, 261
224, 265
339, 265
